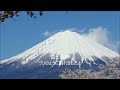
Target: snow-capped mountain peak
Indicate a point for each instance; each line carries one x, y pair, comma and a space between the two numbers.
65, 44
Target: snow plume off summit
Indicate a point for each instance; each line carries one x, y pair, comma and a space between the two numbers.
66, 45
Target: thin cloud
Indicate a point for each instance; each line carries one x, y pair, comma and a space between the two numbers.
70, 29
82, 31
49, 33
46, 33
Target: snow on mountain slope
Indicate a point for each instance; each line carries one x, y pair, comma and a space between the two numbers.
63, 44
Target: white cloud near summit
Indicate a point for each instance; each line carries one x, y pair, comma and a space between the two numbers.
100, 35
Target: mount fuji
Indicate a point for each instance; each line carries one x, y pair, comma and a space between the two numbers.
61, 47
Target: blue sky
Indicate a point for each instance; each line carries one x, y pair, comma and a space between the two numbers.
23, 32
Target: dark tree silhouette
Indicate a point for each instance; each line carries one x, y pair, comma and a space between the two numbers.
10, 14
